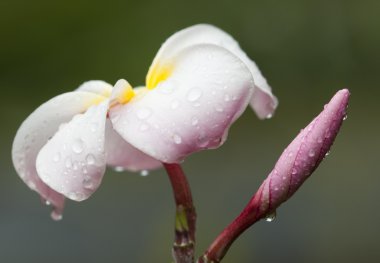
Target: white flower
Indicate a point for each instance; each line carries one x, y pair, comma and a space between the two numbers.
60, 149
200, 82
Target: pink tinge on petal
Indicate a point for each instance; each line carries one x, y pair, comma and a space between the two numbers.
73, 161
302, 156
33, 134
121, 154
263, 103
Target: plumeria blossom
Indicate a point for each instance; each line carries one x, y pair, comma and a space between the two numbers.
199, 83
62, 148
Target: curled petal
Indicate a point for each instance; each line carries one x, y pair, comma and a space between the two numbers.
122, 154
73, 162
206, 90
36, 130
263, 101
99, 87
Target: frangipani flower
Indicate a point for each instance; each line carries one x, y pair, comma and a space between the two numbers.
60, 149
200, 82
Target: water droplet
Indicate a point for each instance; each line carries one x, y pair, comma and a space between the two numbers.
119, 169
271, 217
311, 153
143, 113
77, 146
227, 97
177, 139
55, 215
219, 108
90, 159
115, 118
202, 140
270, 115
47, 202
75, 165
294, 171
194, 121
144, 173
57, 157
175, 104
194, 94
68, 162
72, 195
93, 127
144, 127
345, 117
327, 153
87, 183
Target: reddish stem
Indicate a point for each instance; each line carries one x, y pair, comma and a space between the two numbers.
250, 215
183, 247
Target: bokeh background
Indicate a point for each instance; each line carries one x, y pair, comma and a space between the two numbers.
306, 49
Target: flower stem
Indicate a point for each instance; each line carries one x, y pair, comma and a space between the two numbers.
185, 221
250, 215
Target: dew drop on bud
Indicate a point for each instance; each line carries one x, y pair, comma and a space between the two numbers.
271, 217
119, 169
144, 173
55, 215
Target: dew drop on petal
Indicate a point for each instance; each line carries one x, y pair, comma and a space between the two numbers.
87, 182
194, 94
57, 157
294, 171
174, 104
93, 127
90, 159
144, 127
345, 117
144, 173
77, 146
55, 215
270, 115
194, 121
327, 153
68, 162
271, 217
177, 139
143, 113
219, 108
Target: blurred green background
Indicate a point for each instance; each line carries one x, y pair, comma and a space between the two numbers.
306, 49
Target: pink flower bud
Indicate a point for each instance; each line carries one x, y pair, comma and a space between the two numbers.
296, 163
302, 156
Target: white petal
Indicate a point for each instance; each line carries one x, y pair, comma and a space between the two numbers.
192, 110
35, 132
73, 162
99, 87
266, 102
122, 154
